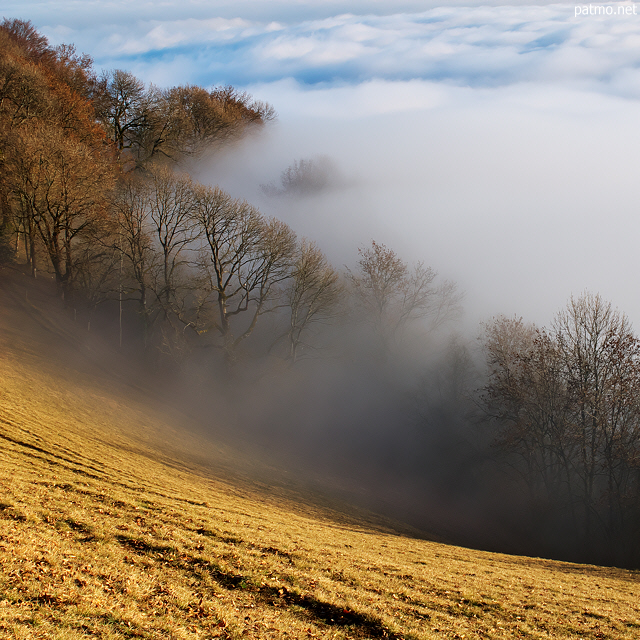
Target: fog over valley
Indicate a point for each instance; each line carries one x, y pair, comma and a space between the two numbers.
522, 207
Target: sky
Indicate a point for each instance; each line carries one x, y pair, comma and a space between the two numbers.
496, 142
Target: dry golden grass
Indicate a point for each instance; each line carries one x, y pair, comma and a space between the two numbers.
107, 530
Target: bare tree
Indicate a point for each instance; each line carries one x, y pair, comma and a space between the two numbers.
172, 123
602, 367
96, 276
131, 205
125, 107
313, 296
60, 186
567, 403
193, 118
171, 208
23, 88
528, 395
392, 294
245, 259
306, 177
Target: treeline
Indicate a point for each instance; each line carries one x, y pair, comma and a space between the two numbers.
566, 408
67, 136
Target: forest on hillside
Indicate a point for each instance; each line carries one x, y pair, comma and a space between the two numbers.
526, 440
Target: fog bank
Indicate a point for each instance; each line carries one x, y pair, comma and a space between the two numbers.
523, 195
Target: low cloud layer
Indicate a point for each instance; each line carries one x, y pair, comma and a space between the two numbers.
349, 43
522, 194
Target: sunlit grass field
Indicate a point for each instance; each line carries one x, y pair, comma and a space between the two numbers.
112, 526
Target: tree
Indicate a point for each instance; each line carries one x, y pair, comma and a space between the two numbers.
23, 98
602, 367
528, 396
96, 275
305, 177
33, 45
392, 295
23, 89
171, 218
48, 130
567, 403
245, 259
313, 295
194, 118
125, 107
173, 123
131, 206
60, 186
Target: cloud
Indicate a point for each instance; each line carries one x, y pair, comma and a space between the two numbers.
316, 43
523, 194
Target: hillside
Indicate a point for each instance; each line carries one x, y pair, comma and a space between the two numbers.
117, 522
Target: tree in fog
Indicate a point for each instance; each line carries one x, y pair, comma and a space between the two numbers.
567, 402
602, 368
313, 296
528, 395
305, 177
245, 259
171, 220
97, 275
192, 118
392, 294
131, 206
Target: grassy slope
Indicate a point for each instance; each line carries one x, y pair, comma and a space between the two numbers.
108, 528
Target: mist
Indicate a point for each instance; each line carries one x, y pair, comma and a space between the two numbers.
494, 142
523, 197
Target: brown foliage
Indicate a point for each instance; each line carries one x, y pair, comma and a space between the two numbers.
60, 186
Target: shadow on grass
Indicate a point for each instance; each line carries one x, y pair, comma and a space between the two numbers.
360, 626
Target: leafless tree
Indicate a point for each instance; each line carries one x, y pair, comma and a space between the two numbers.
306, 177
171, 219
313, 296
154, 123
567, 402
23, 88
96, 276
131, 205
245, 260
528, 395
193, 119
602, 367
392, 294
125, 107
60, 186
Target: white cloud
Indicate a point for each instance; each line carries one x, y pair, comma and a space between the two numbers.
477, 46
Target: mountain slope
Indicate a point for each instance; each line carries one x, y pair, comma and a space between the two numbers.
117, 522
